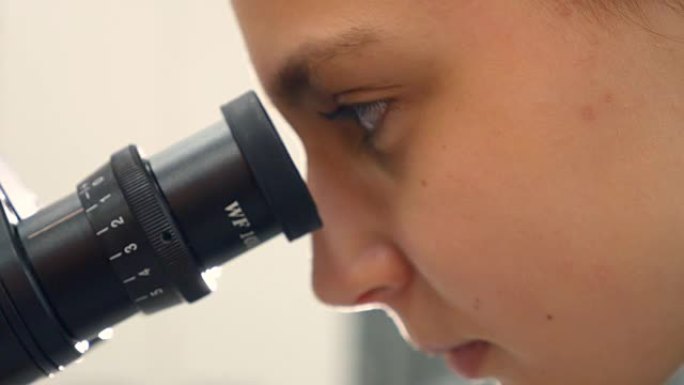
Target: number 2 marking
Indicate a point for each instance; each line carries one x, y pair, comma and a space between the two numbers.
117, 222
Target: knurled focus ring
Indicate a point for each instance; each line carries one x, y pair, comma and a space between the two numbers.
150, 210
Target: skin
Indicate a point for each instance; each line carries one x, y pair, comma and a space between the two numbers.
525, 186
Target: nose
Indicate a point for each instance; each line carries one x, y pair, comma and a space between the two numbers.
356, 258
348, 273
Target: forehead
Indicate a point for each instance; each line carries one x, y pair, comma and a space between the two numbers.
275, 29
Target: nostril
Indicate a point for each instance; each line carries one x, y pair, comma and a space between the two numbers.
370, 296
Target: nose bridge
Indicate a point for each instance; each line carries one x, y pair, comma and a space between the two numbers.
355, 257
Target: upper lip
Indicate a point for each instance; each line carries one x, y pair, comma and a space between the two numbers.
438, 350
436, 341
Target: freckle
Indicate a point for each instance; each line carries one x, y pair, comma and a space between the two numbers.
587, 113
608, 97
444, 147
565, 11
423, 183
549, 317
477, 304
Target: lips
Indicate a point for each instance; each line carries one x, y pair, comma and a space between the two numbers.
467, 359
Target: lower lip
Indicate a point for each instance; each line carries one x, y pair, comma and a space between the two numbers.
467, 359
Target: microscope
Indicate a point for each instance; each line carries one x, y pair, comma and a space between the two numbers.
142, 235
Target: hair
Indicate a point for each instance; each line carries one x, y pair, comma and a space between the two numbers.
622, 8
632, 11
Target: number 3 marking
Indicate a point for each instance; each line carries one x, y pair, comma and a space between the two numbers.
130, 249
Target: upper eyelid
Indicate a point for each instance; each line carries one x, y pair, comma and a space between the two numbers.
364, 95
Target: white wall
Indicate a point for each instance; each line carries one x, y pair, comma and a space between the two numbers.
82, 78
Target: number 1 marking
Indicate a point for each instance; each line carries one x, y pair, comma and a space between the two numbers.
102, 231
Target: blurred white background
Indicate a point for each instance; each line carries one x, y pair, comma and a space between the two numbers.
79, 79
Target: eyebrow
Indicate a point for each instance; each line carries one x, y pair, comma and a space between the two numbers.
295, 76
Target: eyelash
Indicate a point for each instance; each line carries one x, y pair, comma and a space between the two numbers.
359, 113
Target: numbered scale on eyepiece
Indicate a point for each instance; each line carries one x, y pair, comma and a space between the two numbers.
138, 234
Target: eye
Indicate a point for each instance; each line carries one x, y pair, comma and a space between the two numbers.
368, 116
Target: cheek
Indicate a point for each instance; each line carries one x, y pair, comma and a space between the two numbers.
537, 234
470, 225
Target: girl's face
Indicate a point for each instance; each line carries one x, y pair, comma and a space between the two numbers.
501, 171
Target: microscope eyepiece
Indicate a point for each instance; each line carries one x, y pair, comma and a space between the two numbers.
138, 235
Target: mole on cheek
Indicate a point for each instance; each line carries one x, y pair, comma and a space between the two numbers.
549, 317
588, 113
476, 304
608, 97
